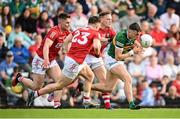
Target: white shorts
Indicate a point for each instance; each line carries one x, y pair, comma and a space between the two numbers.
111, 62
93, 61
37, 65
72, 68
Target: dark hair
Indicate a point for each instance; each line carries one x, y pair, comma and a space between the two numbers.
135, 27
9, 17
18, 26
102, 14
64, 16
143, 81
1, 34
93, 20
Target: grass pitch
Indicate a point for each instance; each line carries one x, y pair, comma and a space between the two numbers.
160, 113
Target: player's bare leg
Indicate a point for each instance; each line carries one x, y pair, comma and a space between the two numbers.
88, 76
55, 74
64, 81
109, 84
121, 72
35, 83
100, 73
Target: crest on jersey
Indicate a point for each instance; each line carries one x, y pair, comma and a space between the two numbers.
52, 34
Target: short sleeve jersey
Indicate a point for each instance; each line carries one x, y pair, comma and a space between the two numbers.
82, 43
120, 41
57, 36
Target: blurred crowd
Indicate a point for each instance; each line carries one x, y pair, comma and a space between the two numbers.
156, 74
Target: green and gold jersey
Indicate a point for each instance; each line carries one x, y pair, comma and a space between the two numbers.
121, 41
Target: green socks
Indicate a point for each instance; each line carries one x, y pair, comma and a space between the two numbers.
133, 106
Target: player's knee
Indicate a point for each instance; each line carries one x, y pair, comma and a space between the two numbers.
128, 80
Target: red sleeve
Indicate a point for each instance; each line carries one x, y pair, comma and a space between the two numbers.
52, 34
113, 33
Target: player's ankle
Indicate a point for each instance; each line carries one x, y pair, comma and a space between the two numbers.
86, 99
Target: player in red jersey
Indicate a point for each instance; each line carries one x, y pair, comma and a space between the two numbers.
45, 60
96, 63
82, 40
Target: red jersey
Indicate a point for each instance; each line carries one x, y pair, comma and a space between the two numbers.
107, 33
57, 36
82, 43
158, 36
176, 83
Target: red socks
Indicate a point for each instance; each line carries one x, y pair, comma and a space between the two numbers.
106, 98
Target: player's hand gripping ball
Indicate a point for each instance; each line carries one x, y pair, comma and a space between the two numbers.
146, 40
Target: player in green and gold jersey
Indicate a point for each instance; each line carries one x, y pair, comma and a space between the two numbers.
124, 45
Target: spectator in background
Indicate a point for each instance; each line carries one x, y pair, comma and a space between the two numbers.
161, 5
78, 19
45, 5
18, 33
158, 35
175, 4
7, 67
93, 11
154, 70
145, 26
116, 21
70, 6
17, 7
33, 5
55, 5
170, 69
3, 48
27, 22
136, 69
170, 17
21, 54
147, 95
172, 99
58, 12
174, 33
122, 6
140, 7
118, 95
6, 18
130, 18
105, 5
151, 14
86, 4
43, 23
33, 48
158, 99
176, 83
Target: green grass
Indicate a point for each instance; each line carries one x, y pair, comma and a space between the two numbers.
90, 113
